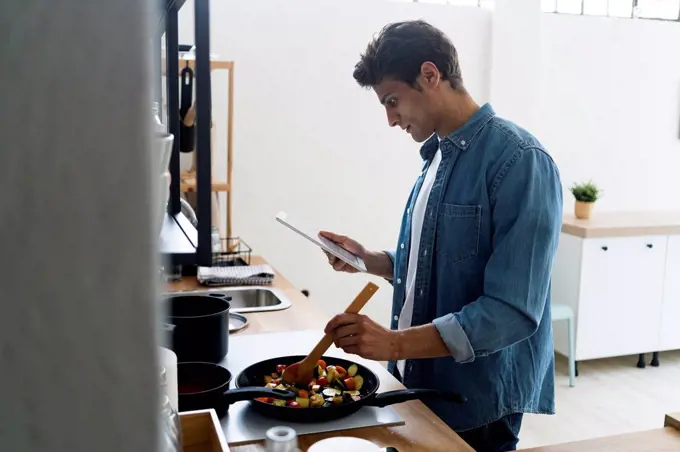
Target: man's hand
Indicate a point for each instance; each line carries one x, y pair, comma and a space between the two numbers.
357, 334
350, 245
377, 263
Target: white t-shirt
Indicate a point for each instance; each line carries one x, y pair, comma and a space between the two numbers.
416, 226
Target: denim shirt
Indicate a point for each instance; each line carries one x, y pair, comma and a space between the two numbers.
489, 236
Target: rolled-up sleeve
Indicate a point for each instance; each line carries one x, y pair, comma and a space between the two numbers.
393, 257
391, 254
455, 338
526, 215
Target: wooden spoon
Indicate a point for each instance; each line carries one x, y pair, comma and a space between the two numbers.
302, 372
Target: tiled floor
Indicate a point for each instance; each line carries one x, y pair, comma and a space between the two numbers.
611, 396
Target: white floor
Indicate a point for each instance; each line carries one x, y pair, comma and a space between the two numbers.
611, 396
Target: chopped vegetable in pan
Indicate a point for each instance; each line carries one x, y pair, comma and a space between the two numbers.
332, 385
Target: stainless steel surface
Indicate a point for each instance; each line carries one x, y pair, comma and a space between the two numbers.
242, 425
237, 322
247, 298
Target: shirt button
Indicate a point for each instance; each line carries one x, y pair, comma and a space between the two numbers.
462, 142
402, 246
421, 291
408, 211
398, 280
425, 253
396, 317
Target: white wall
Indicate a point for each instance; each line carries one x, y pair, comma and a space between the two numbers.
610, 91
308, 139
602, 94
516, 61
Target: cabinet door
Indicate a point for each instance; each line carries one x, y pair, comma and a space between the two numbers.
670, 318
621, 296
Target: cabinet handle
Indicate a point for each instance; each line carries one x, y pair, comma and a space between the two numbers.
604, 248
649, 245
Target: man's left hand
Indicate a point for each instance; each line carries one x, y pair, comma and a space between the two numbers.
357, 334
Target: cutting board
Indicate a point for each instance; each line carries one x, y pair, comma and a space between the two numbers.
242, 425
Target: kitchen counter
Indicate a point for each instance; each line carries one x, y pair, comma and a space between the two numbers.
622, 224
423, 430
665, 439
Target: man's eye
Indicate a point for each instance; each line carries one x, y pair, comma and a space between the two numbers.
392, 102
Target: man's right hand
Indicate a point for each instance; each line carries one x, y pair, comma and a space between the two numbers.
377, 263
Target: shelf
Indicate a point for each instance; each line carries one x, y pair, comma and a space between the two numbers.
171, 60
189, 185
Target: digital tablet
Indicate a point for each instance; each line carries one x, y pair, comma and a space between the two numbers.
328, 245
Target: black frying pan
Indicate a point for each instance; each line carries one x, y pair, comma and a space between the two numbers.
254, 376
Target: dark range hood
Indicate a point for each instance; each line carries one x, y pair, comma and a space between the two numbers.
180, 242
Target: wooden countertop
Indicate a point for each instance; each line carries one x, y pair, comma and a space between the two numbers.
622, 224
665, 439
423, 430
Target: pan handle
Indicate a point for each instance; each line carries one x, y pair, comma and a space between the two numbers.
404, 395
237, 395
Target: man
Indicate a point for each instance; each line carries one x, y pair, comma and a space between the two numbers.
471, 270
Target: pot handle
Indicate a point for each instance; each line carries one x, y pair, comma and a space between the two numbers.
404, 395
168, 338
237, 395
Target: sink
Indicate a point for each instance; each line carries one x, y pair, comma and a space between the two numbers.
247, 299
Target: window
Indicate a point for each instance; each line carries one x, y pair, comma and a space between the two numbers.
569, 6
453, 2
660, 9
644, 9
620, 8
596, 7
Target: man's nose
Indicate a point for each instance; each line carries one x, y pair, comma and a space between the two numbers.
392, 119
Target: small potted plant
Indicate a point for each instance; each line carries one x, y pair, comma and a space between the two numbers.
585, 194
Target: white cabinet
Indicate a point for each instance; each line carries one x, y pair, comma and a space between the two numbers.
670, 318
618, 288
621, 296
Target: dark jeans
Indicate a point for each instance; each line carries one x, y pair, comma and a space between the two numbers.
499, 436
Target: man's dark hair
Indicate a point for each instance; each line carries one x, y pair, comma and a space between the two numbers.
401, 48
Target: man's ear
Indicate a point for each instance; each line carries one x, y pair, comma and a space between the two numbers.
429, 74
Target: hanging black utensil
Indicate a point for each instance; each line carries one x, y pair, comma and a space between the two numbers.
186, 132
187, 83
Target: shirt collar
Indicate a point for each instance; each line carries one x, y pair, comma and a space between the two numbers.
461, 137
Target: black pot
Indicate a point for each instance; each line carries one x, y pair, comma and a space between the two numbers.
203, 386
198, 326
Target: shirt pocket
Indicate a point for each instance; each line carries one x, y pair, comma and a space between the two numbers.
458, 230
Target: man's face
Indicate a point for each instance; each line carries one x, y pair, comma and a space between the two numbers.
409, 108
